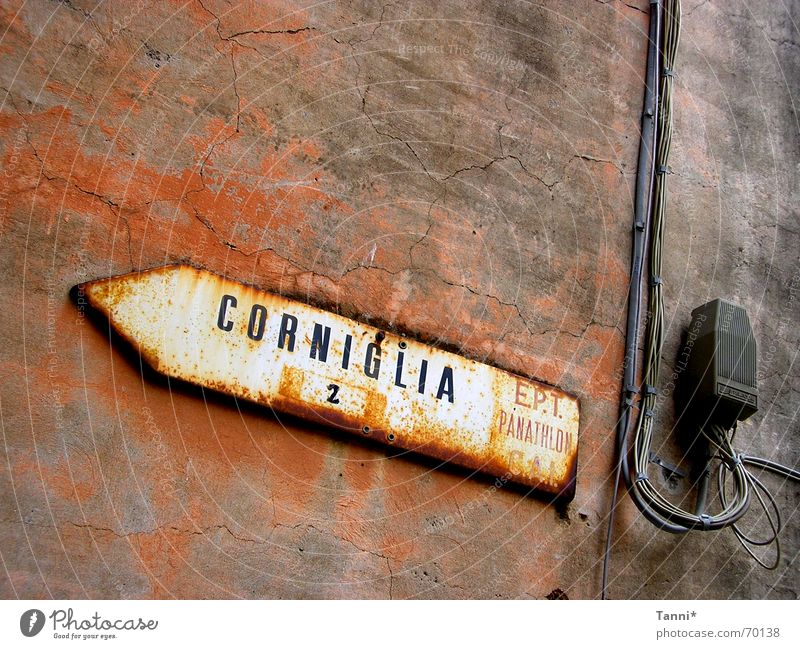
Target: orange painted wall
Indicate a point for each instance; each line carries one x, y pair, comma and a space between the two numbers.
460, 171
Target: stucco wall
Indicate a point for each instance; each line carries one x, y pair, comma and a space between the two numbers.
460, 170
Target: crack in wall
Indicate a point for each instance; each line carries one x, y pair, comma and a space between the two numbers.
114, 207
236, 91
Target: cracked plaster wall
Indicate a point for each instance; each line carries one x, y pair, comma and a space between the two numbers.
460, 170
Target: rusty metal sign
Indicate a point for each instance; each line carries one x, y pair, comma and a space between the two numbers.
196, 326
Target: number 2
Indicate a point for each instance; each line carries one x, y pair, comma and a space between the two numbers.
332, 398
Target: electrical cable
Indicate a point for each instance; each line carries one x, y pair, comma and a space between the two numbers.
649, 220
644, 183
769, 465
643, 200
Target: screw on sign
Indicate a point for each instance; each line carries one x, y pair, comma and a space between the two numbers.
196, 326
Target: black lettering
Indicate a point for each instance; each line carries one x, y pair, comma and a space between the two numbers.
372, 362
423, 373
288, 330
446, 384
257, 324
222, 322
398, 375
320, 341
348, 343
334, 390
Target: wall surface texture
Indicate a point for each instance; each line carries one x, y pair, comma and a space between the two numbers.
462, 171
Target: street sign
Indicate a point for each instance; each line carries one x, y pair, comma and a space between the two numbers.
196, 326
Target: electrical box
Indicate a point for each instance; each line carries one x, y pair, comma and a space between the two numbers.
722, 364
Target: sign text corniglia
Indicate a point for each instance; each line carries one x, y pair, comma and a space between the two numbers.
297, 359
368, 360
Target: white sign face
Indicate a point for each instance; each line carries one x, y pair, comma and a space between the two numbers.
196, 326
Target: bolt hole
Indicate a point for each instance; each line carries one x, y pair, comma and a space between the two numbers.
390, 437
365, 430
379, 337
403, 344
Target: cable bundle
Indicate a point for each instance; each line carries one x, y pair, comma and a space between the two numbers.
649, 216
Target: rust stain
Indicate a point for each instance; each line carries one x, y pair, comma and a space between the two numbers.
196, 326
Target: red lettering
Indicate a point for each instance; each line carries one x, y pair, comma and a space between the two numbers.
539, 398
503, 417
521, 394
556, 398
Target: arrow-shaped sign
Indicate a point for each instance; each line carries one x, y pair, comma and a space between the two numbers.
202, 328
